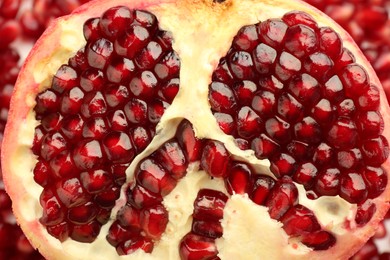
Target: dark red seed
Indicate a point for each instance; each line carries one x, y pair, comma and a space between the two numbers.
209, 205
221, 97
154, 178
264, 146
171, 157
133, 244
272, 32
154, 221
300, 40
239, 180
320, 240
299, 220
262, 186
114, 20
140, 197
86, 233
283, 164
99, 53
195, 247
281, 198
215, 159
364, 212
352, 187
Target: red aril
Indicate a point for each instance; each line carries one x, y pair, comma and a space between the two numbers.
111, 119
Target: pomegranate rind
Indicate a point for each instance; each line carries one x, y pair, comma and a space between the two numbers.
50, 52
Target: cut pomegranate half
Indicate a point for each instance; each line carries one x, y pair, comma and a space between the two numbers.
115, 155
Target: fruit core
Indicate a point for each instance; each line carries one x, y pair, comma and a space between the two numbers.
287, 91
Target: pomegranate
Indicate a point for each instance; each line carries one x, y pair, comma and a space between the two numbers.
161, 130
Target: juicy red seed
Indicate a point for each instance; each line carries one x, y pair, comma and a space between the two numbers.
64, 79
226, 122
249, 124
116, 95
144, 85
330, 42
318, 65
156, 110
71, 193
264, 146
95, 128
135, 38
215, 159
194, 247
375, 151
154, 221
334, 89
352, 187
278, 129
129, 216
154, 177
118, 147
95, 181
117, 233
9, 8
246, 38
88, 155
221, 97
349, 159
241, 65
288, 107
263, 103
140, 197
47, 101
85, 233
172, 158
9, 32
60, 231
209, 205
295, 17
305, 88
149, 56
375, 179
320, 240
300, 40
273, 32
299, 220
370, 98
262, 186
91, 79
364, 212
120, 70
52, 212
168, 66
305, 174
91, 29
141, 138
79, 60
287, 66
238, 180
264, 57
114, 20
355, 80
281, 198
133, 244
283, 164
211, 229
169, 90
343, 134
117, 120
82, 214
187, 139
99, 53
244, 91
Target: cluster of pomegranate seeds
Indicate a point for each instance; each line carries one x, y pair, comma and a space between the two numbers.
100, 111
18, 25
289, 90
144, 218
368, 23
280, 196
199, 243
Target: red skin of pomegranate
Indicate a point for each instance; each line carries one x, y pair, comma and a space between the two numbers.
18, 116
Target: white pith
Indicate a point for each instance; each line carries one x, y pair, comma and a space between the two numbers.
215, 27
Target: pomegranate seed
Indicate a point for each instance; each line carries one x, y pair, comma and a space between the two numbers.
238, 179
194, 247
9, 8
299, 220
172, 158
262, 186
281, 198
154, 178
320, 240
215, 159
154, 221
131, 245
209, 205
114, 20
